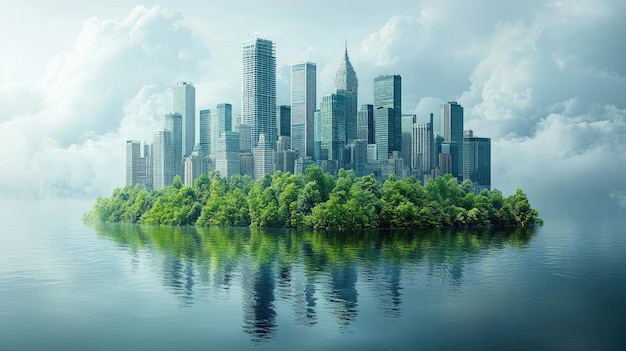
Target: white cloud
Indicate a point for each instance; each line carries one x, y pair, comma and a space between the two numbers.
71, 141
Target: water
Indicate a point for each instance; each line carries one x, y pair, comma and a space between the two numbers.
64, 285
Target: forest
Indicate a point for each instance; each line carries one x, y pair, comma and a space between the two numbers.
316, 200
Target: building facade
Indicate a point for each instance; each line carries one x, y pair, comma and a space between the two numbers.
347, 81
477, 161
162, 158
184, 103
333, 126
388, 94
303, 105
258, 93
283, 120
452, 132
365, 123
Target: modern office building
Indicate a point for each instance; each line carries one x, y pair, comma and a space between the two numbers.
388, 94
172, 122
422, 147
317, 137
284, 158
283, 120
194, 165
383, 118
205, 131
333, 125
303, 105
258, 92
452, 132
263, 158
477, 161
357, 154
184, 103
162, 156
138, 166
365, 123
221, 121
346, 81
227, 154
406, 126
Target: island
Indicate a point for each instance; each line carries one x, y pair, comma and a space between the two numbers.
316, 200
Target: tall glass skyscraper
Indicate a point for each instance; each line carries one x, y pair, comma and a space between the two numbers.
333, 125
184, 95
205, 132
346, 80
258, 90
221, 121
283, 121
162, 152
172, 122
388, 94
365, 123
477, 161
303, 104
452, 132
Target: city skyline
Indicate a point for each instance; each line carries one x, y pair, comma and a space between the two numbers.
514, 69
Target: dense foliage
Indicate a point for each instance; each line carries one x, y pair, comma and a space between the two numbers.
316, 200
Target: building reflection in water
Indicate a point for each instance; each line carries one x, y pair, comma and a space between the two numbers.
299, 268
259, 316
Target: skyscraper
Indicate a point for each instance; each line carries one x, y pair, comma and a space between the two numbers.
303, 104
227, 154
422, 147
162, 153
263, 158
221, 121
365, 123
388, 94
333, 125
172, 122
408, 120
346, 80
258, 92
133, 153
184, 95
283, 120
205, 131
383, 118
477, 161
452, 132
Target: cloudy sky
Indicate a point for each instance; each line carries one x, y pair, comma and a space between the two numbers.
546, 80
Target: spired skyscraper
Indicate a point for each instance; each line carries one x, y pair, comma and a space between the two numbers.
303, 104
346, 80
452, 132
258, 90
184, 103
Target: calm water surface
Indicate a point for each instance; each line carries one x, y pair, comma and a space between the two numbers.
65, 286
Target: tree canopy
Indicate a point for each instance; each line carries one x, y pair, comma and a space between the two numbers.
316, 200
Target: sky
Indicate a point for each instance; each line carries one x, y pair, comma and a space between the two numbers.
546, 80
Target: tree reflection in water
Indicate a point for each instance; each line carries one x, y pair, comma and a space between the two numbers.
301, 267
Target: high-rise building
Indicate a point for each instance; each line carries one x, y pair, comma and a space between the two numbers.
172, 122
184, 94
221, 121
194, 165
365, 123
283, 120
388, 94
422, 147
205, 131
162, 155
477, 161
407, 122
258, 93
227, 154
357, 150
303, 104
284, 158
133, 154
317, 137
383, 118
346, 80
333, 125
263, 158
452, 132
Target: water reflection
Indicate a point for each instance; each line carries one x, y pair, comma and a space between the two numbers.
305, 270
